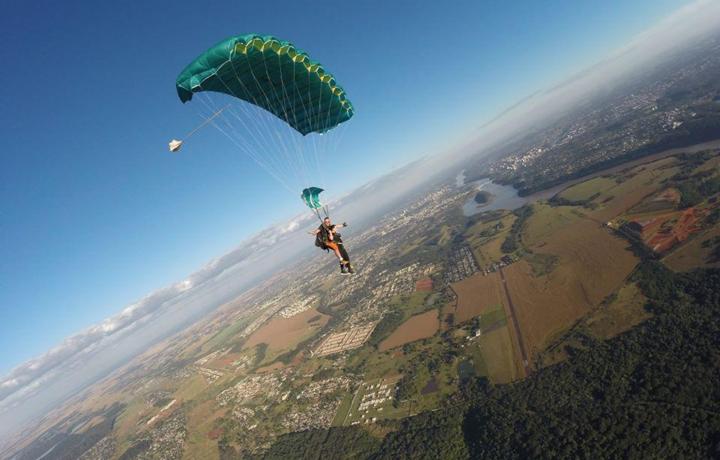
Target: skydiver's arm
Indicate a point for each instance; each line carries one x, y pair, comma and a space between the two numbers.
314, 232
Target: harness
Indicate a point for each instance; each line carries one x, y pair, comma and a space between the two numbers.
323, 237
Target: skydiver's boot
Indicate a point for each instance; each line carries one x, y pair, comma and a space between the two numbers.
343, 269
350, 268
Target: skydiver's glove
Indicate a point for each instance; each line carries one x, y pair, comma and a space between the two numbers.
344, 224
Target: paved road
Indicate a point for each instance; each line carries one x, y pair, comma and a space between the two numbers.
513, 315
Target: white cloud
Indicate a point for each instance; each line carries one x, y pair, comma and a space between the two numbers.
291, 226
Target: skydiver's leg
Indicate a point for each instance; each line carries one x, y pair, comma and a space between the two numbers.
343, 252
343, 264
334, 247
346, 256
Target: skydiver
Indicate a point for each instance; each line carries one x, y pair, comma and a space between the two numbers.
327, 237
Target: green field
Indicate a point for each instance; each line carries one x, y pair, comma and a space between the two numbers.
624, 311
498, 355
694, 253
486, 236
546, 220
585, 190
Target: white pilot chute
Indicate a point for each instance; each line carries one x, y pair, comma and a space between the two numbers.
174, 145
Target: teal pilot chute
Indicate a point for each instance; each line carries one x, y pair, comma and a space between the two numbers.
311, 197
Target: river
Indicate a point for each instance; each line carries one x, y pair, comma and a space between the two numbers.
506, 197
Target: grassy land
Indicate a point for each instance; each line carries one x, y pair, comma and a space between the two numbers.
486, 236
200, 421
545, 221
692, 254
127, 425
445, 235
632, 187
580, 264
224, 337
625, 310
343, 409
498, 355
492, 318
476, 295
585, 190
475, 352
190, 388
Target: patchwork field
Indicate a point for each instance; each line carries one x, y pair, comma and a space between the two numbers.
201, 420
475, 295
545, 221
624, 312
585, 190
692, 254
417, 327
591, 264
282, 333
498, 356
486, 237
632, 187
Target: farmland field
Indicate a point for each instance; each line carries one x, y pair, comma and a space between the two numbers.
485, 240
632, 187
592, 264
624, 312
282, 333
415, 328
201, 420
546, 220
585, 190
498, 356
475, 295
692, 254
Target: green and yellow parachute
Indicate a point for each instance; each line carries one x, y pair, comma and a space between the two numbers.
260, 76
272, 74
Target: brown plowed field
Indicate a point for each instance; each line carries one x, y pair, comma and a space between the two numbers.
415, 328
281, 333
476, 295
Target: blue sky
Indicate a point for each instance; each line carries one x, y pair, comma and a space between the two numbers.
94, 213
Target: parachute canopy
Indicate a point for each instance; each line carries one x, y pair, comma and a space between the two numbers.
271, 74
311, 197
